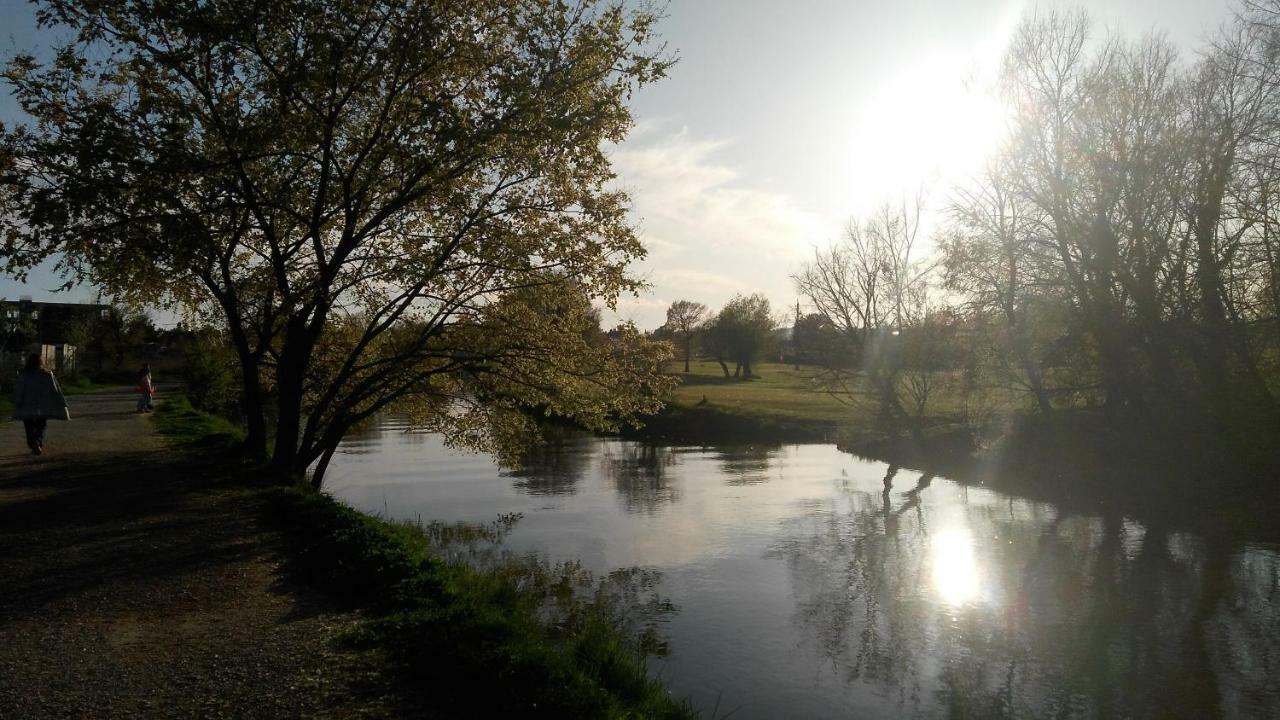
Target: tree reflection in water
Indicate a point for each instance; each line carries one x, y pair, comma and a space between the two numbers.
639, 472
745, 464
556, 465
992, 609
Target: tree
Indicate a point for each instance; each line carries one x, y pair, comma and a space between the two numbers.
717, 340
815, 341
1131, 176
684, 318
367, 194
871, 289
990, 259
740, 333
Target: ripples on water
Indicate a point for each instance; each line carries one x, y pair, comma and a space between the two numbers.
815, 584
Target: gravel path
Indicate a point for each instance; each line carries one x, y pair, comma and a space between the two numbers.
131, 585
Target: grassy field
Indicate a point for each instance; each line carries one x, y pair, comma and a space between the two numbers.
779, 391
785, 402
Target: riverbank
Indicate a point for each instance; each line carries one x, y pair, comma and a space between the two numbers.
1177, 466
514, 638
1180, 471
160, 576
781, 404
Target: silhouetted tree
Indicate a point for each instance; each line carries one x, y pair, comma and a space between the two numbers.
684, 319
740, 333
815, 341
871, 289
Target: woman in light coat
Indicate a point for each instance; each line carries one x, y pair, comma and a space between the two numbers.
37, 399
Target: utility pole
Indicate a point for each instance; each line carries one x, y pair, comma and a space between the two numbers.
795, 354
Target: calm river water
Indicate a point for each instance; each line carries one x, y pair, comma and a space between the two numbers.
805, 588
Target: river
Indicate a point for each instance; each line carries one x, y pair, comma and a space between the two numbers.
807, 586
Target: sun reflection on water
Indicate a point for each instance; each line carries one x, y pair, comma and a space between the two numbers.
956, 577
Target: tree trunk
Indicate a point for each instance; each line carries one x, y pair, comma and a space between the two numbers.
1034, 378
1213, 350
255, 440
688, 350
288, 421
251, 400
723, 367
290, 371
1107, 330
322, 466
1022, 345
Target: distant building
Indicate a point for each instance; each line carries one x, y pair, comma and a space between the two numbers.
27, 326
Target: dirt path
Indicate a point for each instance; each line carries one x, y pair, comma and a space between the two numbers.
131, 585
102, 424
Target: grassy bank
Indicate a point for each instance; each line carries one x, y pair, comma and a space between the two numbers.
1163, 465
780, 404
473, 642
778, 392
511, 637
177, 419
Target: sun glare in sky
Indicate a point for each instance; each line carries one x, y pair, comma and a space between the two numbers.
931, 125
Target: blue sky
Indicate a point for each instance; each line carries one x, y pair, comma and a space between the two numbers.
783, 119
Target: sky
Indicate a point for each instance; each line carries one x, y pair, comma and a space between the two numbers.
783, 120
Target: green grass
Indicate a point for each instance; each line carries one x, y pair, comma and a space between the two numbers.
473, 642
175, 418
779, 391
783, 392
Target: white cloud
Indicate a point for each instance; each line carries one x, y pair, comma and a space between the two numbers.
709, 233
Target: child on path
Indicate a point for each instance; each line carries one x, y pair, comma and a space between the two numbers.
145, 388
37, 399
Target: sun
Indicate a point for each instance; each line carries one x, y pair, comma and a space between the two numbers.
933, 124
956, 576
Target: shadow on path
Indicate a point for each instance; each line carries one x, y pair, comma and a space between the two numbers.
138, 581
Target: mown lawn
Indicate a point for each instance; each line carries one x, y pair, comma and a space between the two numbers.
778, 391
784, 392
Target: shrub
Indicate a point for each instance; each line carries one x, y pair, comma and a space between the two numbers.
208, 372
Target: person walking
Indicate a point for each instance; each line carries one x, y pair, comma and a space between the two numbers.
36, 400
145, 388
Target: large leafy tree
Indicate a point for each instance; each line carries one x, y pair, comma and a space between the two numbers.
740, 332
378, 199
684, 318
